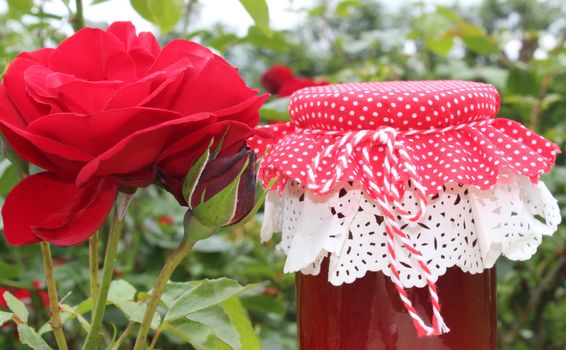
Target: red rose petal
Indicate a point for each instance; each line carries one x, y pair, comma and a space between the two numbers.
142, 48
64, 93
149, 91
98, 132
30, 147
13, 80
93, 54
133, 153
149, 42
47, 207
177, 50
177, 158
8, 111
216, 86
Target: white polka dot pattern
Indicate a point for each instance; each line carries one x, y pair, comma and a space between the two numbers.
467, 153
405, 105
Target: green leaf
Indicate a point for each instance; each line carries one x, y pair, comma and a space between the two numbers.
122, 295
277, 109
344, 7
484, 45
223, 42
84, 307
194, 173
135, 311
220, 324
8, 180
548, 101
21, 165
121, 290
263, 304
476, 39
164, 13
205, 294
237, 314
174, 290
9, 271
200, 336
448, 14
30, 338
5, 317
18, 8
276, 42
259, 12
220, 208
440, 45
17, 307
522, 81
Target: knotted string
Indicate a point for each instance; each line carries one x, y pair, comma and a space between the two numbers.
396, 159
398, 169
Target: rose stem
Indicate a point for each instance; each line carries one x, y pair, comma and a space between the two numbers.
154, 340
174, 260
124, 336
93, 266
79, 20
55, 319
99, 306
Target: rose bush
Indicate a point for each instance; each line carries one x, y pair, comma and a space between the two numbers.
110, 110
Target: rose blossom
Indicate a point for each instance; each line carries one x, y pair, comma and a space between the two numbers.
108, 110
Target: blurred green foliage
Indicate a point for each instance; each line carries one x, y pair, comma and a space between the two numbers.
516, 45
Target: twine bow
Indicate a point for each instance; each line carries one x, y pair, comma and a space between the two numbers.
396, 160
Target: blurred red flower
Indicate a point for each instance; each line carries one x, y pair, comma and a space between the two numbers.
274, 78
281, 80
166, 220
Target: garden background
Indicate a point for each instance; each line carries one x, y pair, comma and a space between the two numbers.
516, 45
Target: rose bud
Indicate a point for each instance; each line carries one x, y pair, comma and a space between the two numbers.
225, 191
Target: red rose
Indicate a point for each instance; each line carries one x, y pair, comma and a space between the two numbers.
107, 109
22, 295
275, 77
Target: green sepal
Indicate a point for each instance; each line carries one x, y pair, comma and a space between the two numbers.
194, 173
250, 215
196, 230
219, 210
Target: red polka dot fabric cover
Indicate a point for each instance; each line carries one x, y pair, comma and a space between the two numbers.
444, 131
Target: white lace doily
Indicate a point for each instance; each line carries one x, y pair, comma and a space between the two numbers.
463, 227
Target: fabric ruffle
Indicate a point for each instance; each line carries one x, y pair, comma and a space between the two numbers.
471, 154
463, 227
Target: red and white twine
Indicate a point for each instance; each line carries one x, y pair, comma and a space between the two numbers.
396, 160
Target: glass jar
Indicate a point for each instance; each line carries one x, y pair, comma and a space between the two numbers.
368, 314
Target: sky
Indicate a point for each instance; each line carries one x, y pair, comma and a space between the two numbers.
283, 13
229, 12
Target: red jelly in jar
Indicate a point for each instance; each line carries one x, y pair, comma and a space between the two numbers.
368, 314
